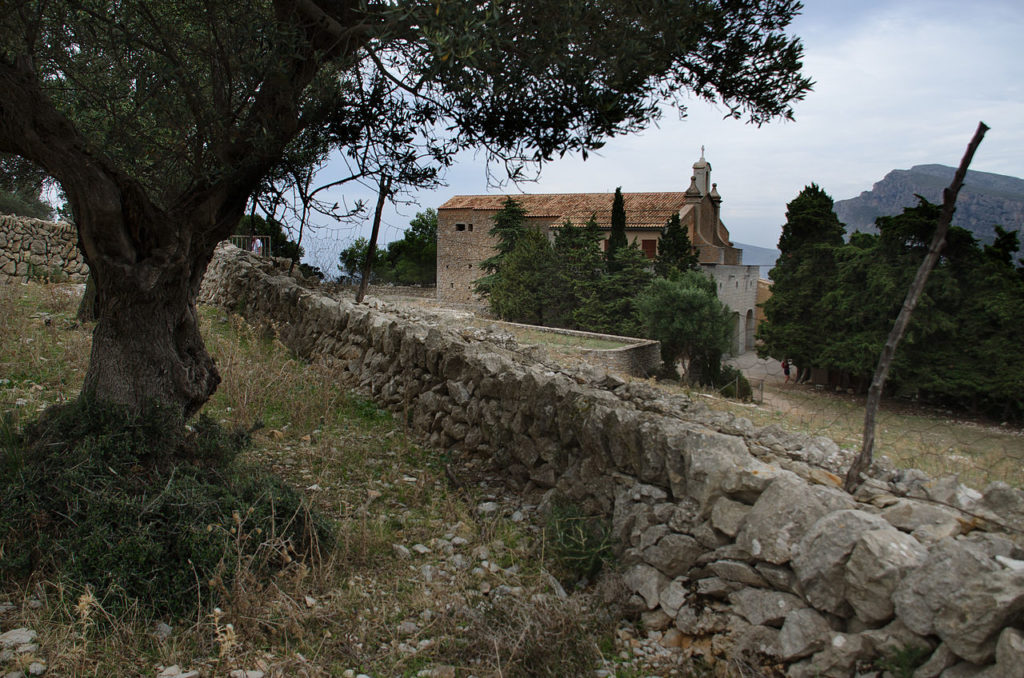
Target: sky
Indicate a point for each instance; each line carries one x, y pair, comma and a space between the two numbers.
898, 83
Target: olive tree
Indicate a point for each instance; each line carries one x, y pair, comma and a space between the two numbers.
161, 118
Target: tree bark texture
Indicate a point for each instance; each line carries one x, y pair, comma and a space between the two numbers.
863, 460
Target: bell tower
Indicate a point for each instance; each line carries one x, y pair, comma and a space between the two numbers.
702, 174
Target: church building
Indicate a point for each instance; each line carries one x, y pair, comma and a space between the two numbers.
464, 223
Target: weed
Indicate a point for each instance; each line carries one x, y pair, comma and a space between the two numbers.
903, 662
578, 545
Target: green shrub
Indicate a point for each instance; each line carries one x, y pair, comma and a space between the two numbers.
732, 384
577, 544
143, 510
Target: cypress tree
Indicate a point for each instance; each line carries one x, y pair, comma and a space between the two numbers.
617, 239
675, 251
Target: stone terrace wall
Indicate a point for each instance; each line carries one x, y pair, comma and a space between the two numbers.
727, 531
639, 358
31, 247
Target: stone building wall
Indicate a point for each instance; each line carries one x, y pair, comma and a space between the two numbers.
727, 532
737, 289
34, 248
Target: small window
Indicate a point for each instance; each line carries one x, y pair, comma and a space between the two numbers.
650, 248
469, 266
460, 227
453, 286
471, 227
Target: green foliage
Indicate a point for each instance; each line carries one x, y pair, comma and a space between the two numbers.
523, 291
903, 662
509, 226
834, 304
675, 250
609, 305
141, 509
577, 544
617, 238
797, 320
685, 315
731, 383
413, 259
581, 264
21, 188
353, 257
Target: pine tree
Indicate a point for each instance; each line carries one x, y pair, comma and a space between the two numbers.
509, 226
610, 304
580, 265
806, 268
617, 239
522, 292
675, 251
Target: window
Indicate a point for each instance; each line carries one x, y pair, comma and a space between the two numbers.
460, 227
650, 248
471, 227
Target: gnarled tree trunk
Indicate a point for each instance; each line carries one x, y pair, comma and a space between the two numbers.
146, 346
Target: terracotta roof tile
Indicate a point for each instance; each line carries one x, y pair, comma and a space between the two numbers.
643, 210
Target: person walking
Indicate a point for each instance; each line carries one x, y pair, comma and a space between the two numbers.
785, 369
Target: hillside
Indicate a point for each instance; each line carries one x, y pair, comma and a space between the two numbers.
986, 200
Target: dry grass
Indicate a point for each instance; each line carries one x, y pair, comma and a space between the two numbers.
937, 442
421, 582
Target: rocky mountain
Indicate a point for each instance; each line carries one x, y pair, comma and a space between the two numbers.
986, 200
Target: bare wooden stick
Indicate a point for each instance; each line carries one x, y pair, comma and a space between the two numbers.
384, 189
863, 460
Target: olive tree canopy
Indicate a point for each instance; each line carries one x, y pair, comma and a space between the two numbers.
160, 118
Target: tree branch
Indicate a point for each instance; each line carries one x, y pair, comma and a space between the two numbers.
863, 460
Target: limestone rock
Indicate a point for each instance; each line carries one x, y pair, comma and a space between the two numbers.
673, 597
674, 554
837, 660
727, 515
925, 590
1010, 653
804, 632
764, 607
909, 515
779, 519
942, 658
734, 570
756, 642
820, 559
877, 564
646, 581
972, 618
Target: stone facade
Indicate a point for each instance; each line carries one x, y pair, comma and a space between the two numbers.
464, 240
40, 249
724, 531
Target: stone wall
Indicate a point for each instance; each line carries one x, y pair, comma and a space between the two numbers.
33, 248
737, 534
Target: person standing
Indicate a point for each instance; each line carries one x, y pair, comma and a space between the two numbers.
785, 369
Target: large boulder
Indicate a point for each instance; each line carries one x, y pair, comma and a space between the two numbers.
779, 519
971, 619
876, 566
820, 559
925, 590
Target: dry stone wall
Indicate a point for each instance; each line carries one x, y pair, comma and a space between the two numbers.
725, 530
34, 248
